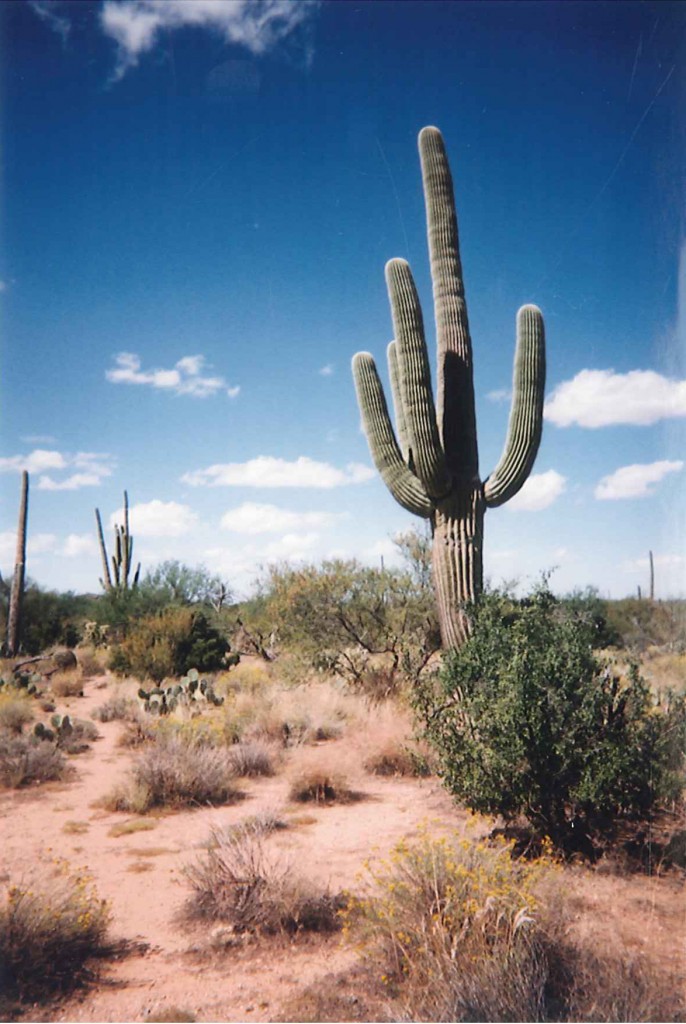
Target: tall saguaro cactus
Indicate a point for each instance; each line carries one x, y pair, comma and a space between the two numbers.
118, 579
431, 466
17, 592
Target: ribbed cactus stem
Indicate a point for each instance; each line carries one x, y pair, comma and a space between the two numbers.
121, 560
432, 466
106, 580
17, 593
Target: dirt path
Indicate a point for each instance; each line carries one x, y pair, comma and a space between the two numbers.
141, 874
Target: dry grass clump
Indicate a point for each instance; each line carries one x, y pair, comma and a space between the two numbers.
51, 926
25, 760
116, 708
92, 662
173, 773
396, 758
15, 711
67, 683
252, 759
317, 785
237, 882
289, 716
613, 985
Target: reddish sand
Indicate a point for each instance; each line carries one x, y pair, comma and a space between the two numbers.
141, 875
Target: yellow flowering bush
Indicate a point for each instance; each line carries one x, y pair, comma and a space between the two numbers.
51, 924
456, 927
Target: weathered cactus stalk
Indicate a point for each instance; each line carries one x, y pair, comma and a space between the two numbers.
17, 593
432, 466
118, 579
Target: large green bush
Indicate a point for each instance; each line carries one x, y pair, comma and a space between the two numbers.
528, 721
169, 644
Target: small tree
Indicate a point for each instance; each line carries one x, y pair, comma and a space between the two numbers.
352, 620
172, 582
528, 721
169, 644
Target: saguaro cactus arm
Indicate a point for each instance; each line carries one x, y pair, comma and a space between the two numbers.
425, 452
106, 580
401, 482
526, 413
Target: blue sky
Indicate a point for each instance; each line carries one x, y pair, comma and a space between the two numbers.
198, 201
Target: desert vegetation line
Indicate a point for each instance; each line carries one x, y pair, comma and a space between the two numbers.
431, 466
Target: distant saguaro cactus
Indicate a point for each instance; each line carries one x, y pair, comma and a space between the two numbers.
17, 593
432, 467
118, 579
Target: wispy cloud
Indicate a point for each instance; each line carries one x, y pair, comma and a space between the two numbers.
267, 471
539, 492
39, 439
49, 12
499, 395
253, 518
327, 371
185, 378
259, 26
158, 518
603, 398
635, 481
87, 468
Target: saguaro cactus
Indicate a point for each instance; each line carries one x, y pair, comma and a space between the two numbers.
432, 467
17, 592
118, 579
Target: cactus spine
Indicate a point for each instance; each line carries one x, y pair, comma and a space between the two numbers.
432, 466
17, 593
118, 579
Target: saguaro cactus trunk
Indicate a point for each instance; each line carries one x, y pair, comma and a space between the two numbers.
432, 466
17, 593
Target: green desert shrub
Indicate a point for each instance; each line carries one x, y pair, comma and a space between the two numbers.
169, 644
527, 720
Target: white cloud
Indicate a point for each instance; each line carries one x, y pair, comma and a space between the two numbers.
499, 395
157, 519
35, 462
267, 471
259, 26
70, 483
234, 392
184, 379
253, 518
539, 492
78, 544
326, 371
93, 467
635, 481
292, 547
602, 398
